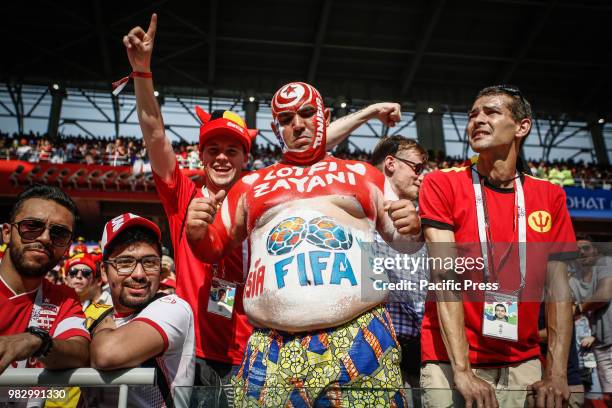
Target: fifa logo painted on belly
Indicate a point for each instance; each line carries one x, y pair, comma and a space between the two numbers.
331, 239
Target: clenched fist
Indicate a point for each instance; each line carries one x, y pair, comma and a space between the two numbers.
389, 113
404, 216
139, 46
200, 214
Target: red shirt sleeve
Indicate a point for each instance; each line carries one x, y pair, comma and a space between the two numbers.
70, 320
563, 238
436, 201
176, 195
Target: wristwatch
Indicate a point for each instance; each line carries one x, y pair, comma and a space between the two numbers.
47, 341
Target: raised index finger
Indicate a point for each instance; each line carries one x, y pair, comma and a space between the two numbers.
152, 26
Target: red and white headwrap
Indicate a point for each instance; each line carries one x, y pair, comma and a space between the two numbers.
290, 98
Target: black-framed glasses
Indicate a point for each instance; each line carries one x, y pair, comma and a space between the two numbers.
125, 265
416, 167
85, 273
585, 247
30, 229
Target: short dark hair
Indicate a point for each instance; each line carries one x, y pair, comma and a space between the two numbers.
520, 108
131, 236
500, 305
390, 145
44, 192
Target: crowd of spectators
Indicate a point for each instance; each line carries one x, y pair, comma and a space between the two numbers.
130, 151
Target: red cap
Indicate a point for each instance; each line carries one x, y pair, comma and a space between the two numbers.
82, 259
123, 221
224, 123
168, 282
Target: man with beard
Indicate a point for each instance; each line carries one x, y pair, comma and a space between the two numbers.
145, 330
41, 324
306, 219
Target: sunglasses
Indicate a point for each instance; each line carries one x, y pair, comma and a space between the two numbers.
30, 229
85, 273
416, 167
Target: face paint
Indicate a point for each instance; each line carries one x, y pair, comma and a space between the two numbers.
290, 99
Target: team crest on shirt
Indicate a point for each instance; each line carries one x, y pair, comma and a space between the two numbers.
45, 315
540, 221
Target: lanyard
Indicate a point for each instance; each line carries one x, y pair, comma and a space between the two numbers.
484, 228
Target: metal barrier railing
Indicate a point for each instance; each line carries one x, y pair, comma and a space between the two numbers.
80, 377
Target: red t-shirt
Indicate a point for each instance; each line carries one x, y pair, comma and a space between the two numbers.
447, 201
217, 338
58, 312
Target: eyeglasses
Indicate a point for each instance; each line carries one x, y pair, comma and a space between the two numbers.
416, 167
85, 273
31, 229
585, 247
125, 265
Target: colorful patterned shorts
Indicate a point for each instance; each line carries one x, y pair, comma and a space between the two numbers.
353, 365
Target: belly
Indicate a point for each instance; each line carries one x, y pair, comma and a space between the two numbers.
306, 269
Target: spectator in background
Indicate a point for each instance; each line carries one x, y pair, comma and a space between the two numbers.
82, 274
403, 161
24, 150
168, 267
595, 293
151, 330
167, 286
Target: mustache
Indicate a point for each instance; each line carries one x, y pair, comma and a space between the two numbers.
134, 284
37, 246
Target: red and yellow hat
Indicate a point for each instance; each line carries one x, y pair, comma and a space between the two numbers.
226, 123
82, 259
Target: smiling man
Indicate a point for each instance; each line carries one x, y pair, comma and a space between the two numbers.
41, 324
151, 331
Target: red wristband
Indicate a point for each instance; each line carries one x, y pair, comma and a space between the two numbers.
138, 74
120, 84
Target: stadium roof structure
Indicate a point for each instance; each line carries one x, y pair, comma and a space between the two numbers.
418, 52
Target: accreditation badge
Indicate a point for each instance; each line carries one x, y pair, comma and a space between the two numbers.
221, 298
500, 316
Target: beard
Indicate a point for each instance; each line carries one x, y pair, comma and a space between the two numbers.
135, 302
30, 269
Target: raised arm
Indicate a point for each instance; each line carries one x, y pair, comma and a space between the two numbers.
139, 47
389, 113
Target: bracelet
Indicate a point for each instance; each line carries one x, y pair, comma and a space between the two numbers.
138, 74
47, 341
120, 84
